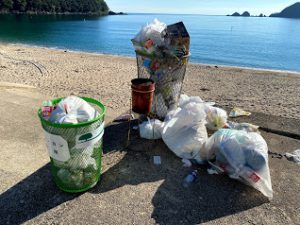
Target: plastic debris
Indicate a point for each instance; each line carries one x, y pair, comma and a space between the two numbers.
151, 129
47, 108
73, 110
236, 112
157, 160
216, 117
212, 171
242, 155
185, 99
294, 156
243, 126
151, 34
162, 55
135, 127
184, 132
158, 39
190, 178
186, 163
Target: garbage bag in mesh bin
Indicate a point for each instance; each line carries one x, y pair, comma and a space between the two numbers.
75, 150
162, 54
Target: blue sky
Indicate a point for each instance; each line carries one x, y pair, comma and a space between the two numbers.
208, 7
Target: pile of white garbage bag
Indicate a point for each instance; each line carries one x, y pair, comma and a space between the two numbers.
240, 151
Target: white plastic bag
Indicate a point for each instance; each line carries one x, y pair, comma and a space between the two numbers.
242, 155
216, 117
73, 110
185, 99
152, 31
151, 129
184, 132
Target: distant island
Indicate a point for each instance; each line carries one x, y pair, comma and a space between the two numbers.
95, 7
112, 13
292, 11
245, 14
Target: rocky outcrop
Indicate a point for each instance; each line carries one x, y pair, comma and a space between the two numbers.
236, 14
115, 13
246, 14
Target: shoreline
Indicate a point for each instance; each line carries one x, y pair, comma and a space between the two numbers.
58, 72
132, 57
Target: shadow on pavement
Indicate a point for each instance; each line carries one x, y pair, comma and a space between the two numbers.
32, 196
209, 198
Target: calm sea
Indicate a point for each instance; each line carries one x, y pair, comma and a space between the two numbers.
271, 43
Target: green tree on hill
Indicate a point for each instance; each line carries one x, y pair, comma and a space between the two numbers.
20, 5
54, 6
6, 4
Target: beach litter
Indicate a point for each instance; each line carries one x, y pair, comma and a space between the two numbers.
294, 156
242, 155
162, 53
157, 160
186, 163
184, 132
243, 126
151, 129
239, 151
212, 171
72, 110
73, 130
190, 178
237, 112
159, 40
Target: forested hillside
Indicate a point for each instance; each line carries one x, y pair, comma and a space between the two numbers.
54, 6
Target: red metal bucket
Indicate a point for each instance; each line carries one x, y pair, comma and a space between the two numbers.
142, 95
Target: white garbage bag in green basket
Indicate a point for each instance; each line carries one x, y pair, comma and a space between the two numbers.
75, 150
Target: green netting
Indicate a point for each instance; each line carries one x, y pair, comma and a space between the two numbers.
82, 169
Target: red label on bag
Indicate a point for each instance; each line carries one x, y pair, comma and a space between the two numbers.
47, 110
254, 177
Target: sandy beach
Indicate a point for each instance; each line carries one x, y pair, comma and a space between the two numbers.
107, 78
132, 189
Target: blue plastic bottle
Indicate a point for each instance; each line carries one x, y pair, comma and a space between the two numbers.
190, 178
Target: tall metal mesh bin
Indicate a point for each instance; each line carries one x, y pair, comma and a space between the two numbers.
168, 74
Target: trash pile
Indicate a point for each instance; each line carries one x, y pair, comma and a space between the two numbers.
159, 40
162, 54
70, 110
74, 146
238, 151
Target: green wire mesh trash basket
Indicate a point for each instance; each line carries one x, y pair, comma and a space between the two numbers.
168, 75
75, 150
